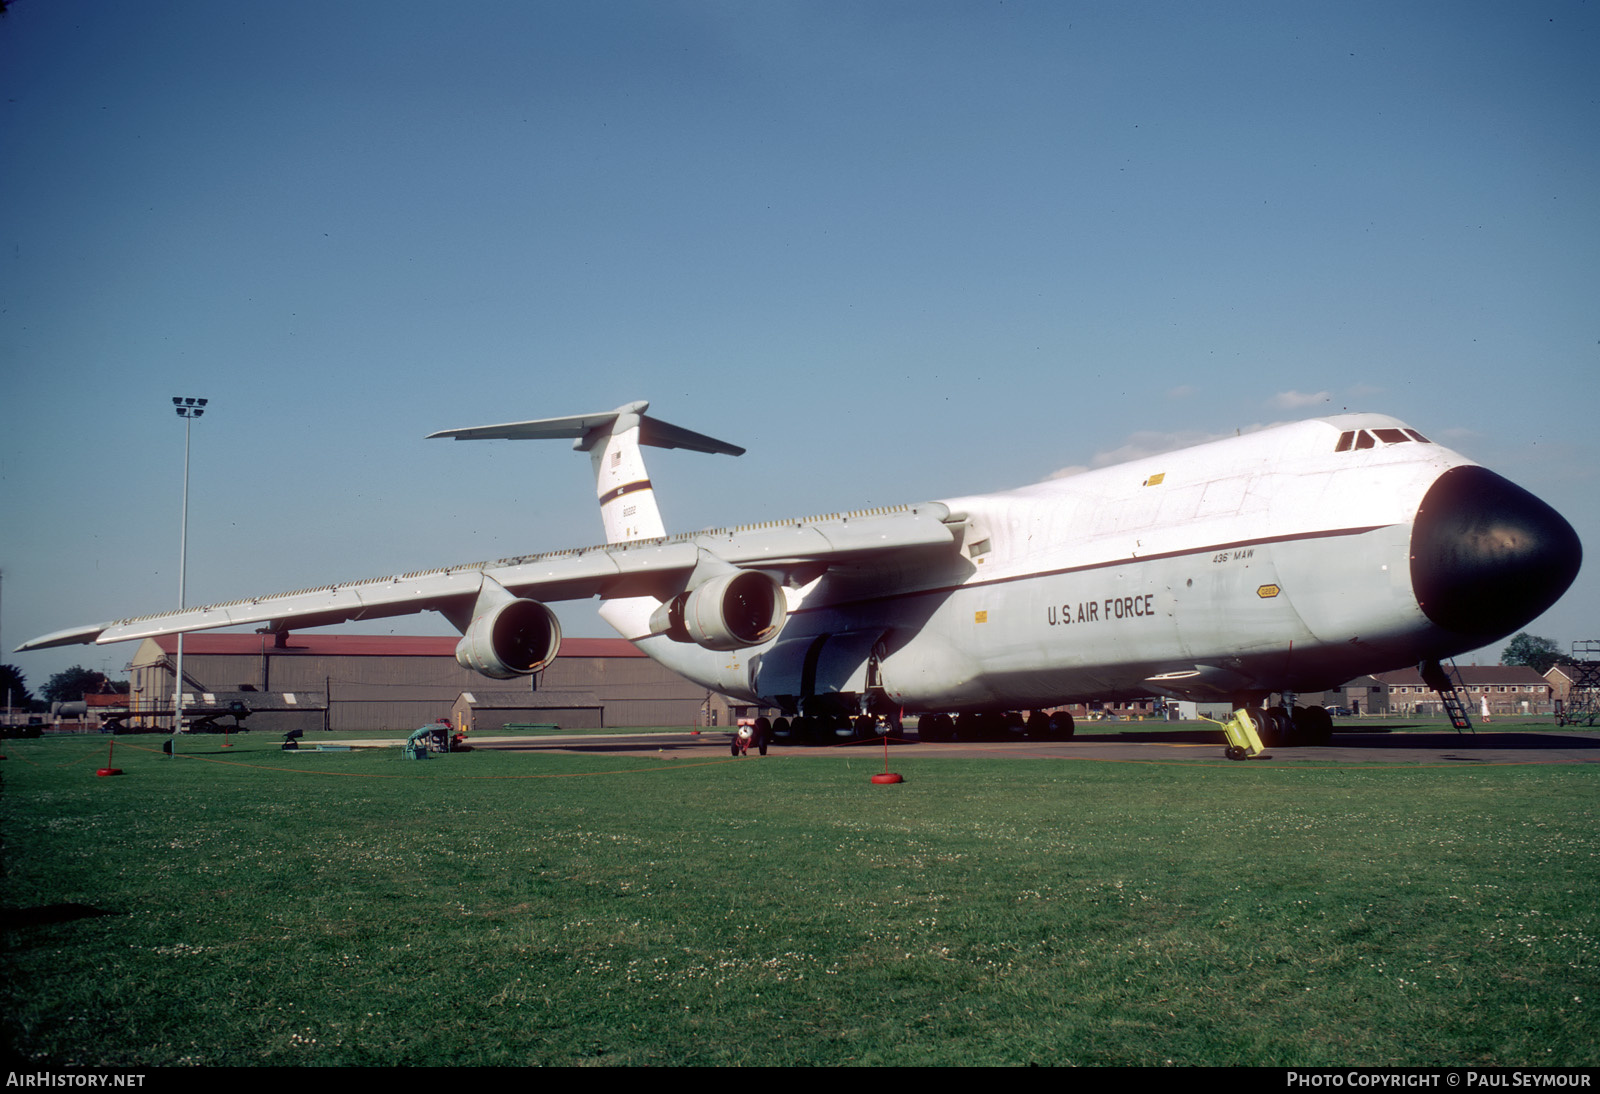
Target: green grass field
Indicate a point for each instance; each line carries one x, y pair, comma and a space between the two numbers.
248, 906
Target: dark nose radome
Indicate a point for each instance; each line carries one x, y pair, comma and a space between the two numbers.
1488, 557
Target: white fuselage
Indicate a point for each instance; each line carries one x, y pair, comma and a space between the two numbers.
1263, 562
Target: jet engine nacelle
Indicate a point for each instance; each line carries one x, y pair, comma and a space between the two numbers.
729, 612
516, 638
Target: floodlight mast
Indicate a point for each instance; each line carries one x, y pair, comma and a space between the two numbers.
189, 408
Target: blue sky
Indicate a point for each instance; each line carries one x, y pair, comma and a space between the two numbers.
897, 250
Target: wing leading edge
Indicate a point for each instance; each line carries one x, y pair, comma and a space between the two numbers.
792, 551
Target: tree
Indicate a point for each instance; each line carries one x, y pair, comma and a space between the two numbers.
11, 680
1535, 652
71, 685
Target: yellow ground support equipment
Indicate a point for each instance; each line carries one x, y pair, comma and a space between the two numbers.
1244, 738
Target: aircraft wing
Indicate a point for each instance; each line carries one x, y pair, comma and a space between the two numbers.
793, 551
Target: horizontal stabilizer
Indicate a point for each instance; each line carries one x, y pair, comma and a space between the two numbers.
659, 434
652, 431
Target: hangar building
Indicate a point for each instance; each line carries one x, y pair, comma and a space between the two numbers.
348, 681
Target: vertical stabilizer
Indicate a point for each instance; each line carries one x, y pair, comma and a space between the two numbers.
627, 500
614, 440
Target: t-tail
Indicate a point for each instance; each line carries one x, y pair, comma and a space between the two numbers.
613, 440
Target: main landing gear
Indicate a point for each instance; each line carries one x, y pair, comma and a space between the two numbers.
1037, 726
831, 729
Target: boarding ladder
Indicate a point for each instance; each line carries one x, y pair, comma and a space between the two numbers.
1582, 706
1445, 681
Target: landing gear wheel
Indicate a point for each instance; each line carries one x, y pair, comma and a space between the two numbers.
1313, 725
1273, 726
933, 727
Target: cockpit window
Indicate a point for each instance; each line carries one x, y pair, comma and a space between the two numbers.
1361, 438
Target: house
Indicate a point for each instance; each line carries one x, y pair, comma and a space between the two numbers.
1508, 689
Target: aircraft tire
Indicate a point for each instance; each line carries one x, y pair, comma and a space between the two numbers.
1274, 729
1316, 726
1062, 726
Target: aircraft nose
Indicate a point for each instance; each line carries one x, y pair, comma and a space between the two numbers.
1487, 557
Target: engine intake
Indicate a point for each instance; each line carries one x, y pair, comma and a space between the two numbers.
518, 638
729, 612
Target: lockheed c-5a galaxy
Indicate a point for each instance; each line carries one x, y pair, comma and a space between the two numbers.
1283, 561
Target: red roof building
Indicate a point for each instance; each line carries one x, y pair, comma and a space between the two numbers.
401, 682
1508, 689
